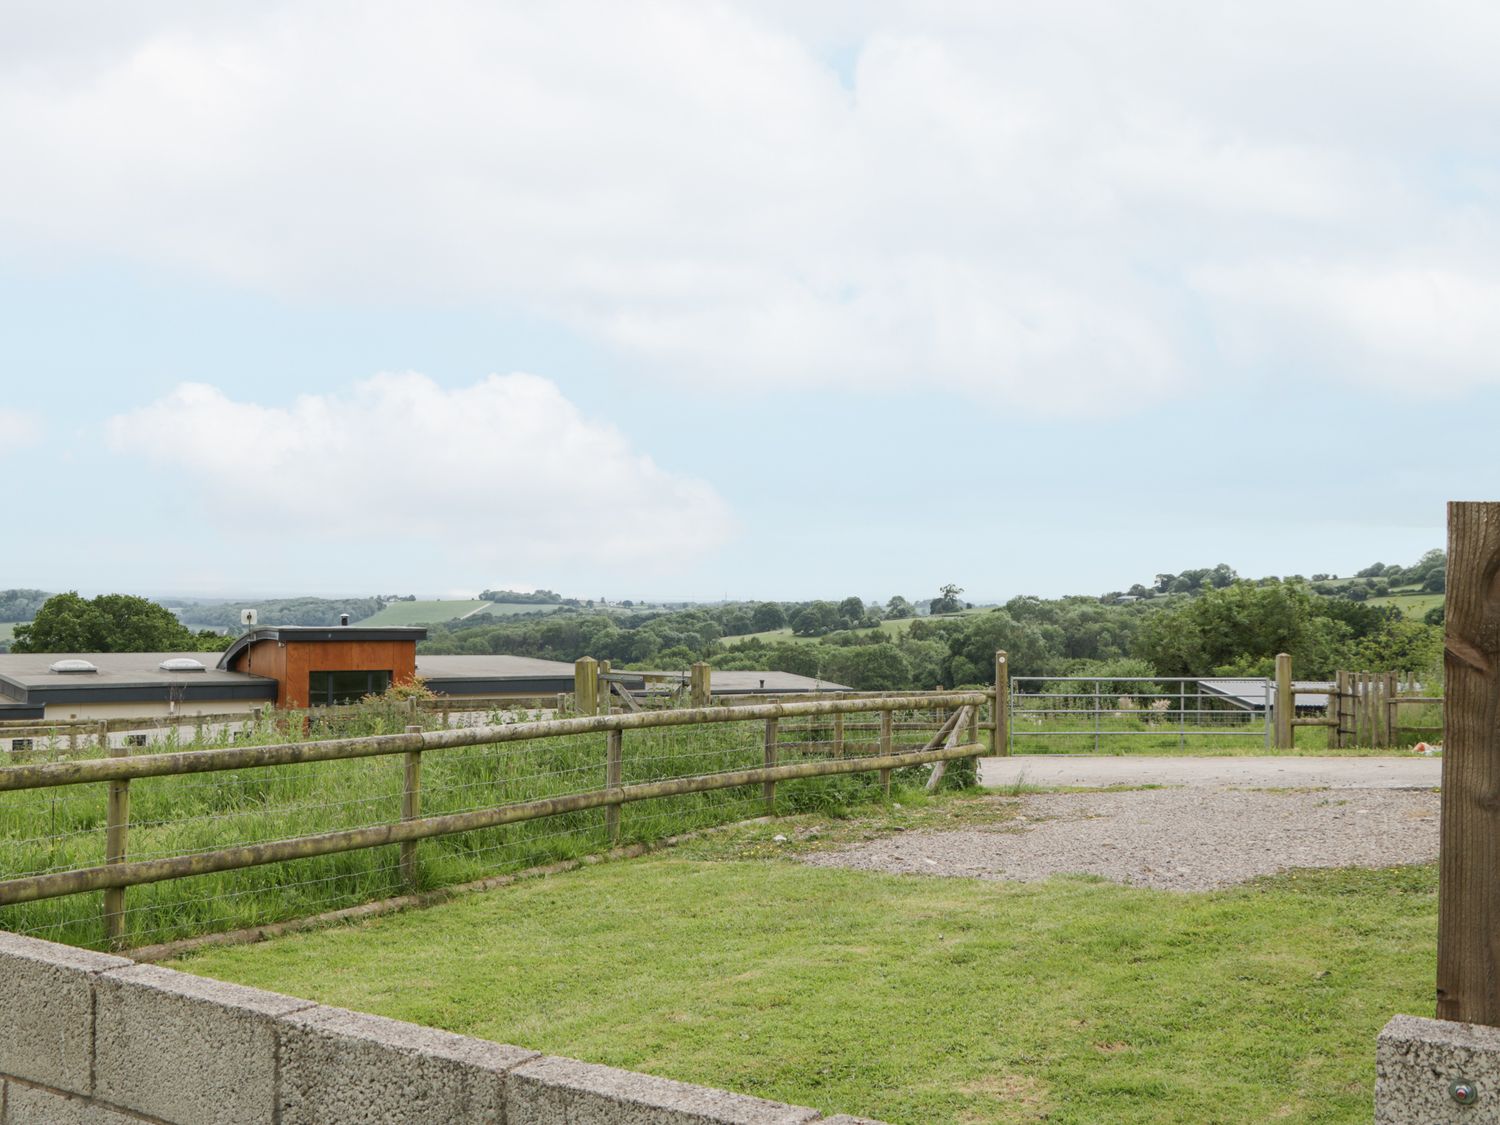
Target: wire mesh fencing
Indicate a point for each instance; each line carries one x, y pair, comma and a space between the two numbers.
195, 841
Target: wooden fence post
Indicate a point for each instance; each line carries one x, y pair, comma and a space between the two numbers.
1001, 743
1344, 704
586, 685
614, 762
768, 788
603, 697
1286, 702
117, 827
411, 807
886, 721
702, 685
1468, 963
838, 735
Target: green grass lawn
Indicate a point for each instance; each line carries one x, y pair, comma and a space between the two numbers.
1411, 605
911, 999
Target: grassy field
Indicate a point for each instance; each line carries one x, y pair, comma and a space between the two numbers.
1412, 604
437, 612
910, 999
890, 629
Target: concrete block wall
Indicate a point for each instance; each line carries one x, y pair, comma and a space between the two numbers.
91, 1039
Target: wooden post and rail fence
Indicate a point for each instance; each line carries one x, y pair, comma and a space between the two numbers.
1363, 708
119, 872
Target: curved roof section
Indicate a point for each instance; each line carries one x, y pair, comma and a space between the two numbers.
317, 634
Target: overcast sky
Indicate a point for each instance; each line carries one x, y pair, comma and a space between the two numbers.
760, 300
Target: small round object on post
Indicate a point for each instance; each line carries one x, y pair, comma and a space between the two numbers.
1463, 1091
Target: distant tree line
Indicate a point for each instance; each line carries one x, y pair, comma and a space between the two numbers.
515, 597
284, 611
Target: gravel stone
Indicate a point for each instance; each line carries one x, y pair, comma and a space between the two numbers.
1194, 839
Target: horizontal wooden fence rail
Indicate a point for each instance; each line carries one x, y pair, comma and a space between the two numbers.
14, 891
44, 774
119, 871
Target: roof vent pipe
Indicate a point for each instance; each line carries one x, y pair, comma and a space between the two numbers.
343, 619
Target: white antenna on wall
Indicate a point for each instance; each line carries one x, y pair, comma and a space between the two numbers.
247, 617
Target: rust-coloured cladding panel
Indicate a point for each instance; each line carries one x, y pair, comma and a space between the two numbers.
397, 657
289, 662
265, 658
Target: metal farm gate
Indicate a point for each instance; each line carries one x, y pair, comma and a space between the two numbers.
1090, 714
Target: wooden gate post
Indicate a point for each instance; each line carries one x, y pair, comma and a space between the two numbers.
1001, 711
586, 686
1468, 966
1286, 702
702, 684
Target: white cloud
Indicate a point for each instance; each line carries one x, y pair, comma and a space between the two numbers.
1433, 326
19, 429
507, 472
1014, 201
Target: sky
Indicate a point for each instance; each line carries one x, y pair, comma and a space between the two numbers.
748, 300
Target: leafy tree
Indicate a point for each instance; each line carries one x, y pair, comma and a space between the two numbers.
947, 600
852, 611
768, 616
877, 667
898, 608
110, 623
815, 619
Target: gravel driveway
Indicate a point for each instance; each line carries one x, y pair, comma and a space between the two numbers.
1192, 839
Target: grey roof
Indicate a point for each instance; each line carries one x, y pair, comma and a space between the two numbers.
494, 674
315, 633
123, 677
497, 665
753, 683
136, 676
1252, 694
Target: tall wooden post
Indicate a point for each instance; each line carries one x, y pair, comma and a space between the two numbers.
604, 667
586, 686
411, 807
1001, 743
768, 788
117, 826
1468, 966
614, 761
838, 735
886, 722
1340, 710
1286, 702
701, 682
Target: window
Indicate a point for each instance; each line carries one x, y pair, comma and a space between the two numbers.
135, 740
327, 688
20, 745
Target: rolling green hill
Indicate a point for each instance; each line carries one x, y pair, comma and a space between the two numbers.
437, 611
